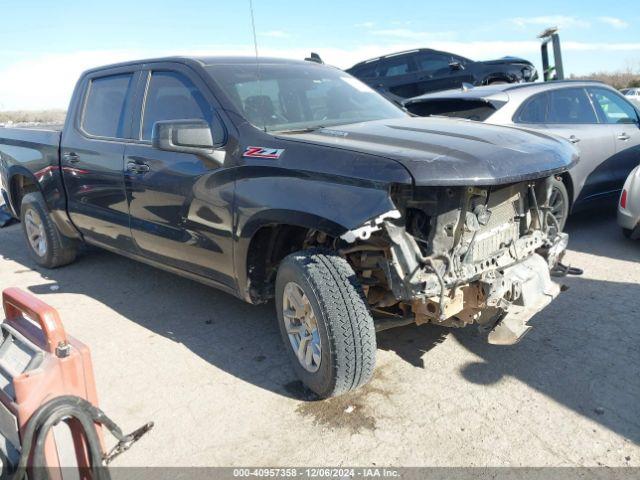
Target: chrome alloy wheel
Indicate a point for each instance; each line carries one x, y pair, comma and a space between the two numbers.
302, 327
35, 232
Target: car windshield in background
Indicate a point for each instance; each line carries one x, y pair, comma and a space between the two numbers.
300, 97
478, 110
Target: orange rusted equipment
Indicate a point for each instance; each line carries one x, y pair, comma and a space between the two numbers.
46, 378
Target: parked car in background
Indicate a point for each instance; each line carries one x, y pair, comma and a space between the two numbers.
301, 185
632, 94
629, 205
596, 118
411, 73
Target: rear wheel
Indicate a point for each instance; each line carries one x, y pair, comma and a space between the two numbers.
48, 247
325, 323
627, 232
559, 202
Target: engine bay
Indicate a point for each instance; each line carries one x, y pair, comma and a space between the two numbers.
454, 256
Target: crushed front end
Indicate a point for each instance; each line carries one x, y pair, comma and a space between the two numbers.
454, 256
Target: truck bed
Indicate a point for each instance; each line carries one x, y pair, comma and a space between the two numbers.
29, 153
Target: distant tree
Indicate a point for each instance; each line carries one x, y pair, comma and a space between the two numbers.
33, 116
627, 78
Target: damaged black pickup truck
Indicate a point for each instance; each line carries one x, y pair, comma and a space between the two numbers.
294, 181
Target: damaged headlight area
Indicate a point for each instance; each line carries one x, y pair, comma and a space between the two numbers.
454, 256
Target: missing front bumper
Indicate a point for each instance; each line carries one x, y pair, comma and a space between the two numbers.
531, 277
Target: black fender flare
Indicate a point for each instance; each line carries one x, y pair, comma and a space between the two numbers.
12, 172
501, 77
333, 227
52, 192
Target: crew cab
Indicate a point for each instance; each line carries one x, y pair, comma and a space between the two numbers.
294, 181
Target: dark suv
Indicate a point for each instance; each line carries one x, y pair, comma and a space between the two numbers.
412, 73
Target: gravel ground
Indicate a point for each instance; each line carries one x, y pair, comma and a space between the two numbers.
211, 371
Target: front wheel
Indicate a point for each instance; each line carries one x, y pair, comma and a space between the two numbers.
325, 323
559, 202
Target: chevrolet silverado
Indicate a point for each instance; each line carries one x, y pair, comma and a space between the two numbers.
294, 181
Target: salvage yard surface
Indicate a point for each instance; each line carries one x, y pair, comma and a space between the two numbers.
211, 371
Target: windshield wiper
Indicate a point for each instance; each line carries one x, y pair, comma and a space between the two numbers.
301, 130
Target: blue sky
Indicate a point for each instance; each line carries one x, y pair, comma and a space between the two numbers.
46, 44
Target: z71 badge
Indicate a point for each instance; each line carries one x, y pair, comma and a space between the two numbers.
262, 152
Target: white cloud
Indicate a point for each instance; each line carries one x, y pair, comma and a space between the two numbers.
275, 34
47, 81
561, 21
614, 22
365, 25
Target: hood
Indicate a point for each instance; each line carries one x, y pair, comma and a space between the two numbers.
507, 61
448, 152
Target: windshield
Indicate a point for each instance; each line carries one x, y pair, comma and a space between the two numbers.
300, 96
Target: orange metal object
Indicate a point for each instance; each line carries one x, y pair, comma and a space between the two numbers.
65, 369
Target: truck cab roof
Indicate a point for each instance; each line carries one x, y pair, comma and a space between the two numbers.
205, 61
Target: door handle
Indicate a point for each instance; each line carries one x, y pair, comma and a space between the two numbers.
623, 137
574, 139
71, 157
137, 167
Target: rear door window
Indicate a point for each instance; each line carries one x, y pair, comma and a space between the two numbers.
106, 106
173, 96
570, 106
432, 62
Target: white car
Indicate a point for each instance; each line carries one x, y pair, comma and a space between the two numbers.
629, 206
632, 94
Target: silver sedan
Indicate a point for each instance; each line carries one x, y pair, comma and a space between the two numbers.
629, 205
600, 121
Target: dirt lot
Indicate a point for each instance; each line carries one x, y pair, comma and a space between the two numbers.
211, 371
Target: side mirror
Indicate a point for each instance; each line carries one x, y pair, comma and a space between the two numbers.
187, 136
456, 66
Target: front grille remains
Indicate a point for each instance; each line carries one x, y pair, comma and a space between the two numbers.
501, 229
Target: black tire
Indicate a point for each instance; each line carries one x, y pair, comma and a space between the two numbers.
627, 232
345, 326
58, 250
559, 202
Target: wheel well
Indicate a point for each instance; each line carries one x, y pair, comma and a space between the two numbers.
566, 179
497, 77
20, 186
269, 245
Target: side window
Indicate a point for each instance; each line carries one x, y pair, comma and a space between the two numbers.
431, 62
613, 108
172, 96
106, 106
570, 106
534, 110
367, 71
392, 67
